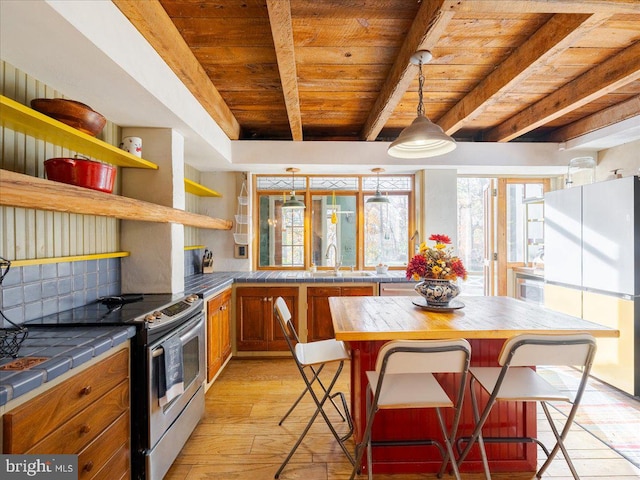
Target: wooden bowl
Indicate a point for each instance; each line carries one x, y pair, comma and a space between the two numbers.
72, 113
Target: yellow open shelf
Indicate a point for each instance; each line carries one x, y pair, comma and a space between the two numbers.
195, 188
18, 117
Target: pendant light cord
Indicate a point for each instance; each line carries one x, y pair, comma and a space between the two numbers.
420, 86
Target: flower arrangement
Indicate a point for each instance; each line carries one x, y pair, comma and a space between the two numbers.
436, 262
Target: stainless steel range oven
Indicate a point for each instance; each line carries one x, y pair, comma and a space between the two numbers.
159, 430
170, 425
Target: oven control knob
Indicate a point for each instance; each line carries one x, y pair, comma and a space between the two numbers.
150, 318
191, 298
157, 315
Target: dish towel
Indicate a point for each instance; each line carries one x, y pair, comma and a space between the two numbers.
170, 372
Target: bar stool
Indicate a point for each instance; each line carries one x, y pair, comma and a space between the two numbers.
515, 380
403, 378
311, 358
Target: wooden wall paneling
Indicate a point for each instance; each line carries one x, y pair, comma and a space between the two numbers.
9, 234
29, 233
20, 233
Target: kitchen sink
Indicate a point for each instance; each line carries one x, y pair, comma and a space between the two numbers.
346, 273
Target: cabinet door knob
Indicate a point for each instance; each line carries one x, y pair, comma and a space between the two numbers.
86, 390
84, 429
88, 466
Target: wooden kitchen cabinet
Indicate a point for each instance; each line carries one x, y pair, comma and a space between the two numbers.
319, 324
218, 332
88, 415
257, 328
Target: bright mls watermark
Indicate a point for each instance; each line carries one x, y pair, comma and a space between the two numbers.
49, 467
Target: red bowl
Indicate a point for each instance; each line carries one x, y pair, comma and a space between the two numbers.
81, 172
75, 114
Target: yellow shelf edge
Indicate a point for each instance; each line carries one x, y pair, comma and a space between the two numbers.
72, 258
194, 247
22, 119
195, 188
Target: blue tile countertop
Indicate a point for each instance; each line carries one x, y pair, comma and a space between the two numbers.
67, 348
209, 283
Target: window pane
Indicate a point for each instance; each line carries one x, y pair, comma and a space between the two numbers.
471, 233
386, 231
281, 233
333, 222
524, 222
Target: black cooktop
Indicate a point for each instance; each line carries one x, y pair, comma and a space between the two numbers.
115, 312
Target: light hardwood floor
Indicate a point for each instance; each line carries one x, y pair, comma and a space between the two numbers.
239, 437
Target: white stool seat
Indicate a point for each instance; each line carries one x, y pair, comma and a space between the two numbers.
323, 351
520, 384
409, 390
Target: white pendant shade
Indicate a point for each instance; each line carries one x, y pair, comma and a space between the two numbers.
421, 139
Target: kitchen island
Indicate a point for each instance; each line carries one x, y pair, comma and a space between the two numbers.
366, 323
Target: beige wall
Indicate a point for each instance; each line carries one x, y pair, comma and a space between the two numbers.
625, 157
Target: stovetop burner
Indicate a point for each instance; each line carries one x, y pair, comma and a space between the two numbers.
119, 310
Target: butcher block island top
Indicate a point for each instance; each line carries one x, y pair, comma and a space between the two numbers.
391, 318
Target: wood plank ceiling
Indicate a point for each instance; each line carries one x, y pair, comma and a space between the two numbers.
502, 70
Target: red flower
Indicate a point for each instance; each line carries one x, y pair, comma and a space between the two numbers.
458, 268
436, 262
439, 238
417, 268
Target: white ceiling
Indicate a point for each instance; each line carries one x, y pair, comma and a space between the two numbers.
90, 52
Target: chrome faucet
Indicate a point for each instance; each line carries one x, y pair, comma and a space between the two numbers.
338, 263
416, 237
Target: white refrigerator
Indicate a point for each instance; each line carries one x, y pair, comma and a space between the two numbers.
592, 256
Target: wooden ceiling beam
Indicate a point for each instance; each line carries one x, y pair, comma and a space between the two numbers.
429, 25
609, 7
155, 25
550, 40
282, 31
604, 118
614, 73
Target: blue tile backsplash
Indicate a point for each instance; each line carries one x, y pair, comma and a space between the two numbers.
193, 262
32, 291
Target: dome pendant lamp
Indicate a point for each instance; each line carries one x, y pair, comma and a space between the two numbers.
378, 197
422, 138
293, 202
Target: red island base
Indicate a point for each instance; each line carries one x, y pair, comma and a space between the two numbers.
512, 419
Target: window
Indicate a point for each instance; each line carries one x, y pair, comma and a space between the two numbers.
525, 215
337, 224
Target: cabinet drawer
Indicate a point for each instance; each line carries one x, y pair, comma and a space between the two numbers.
31, 422
95, 455
72, 436
117, 467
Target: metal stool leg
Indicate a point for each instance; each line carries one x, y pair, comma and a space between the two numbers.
304, 392
320, 411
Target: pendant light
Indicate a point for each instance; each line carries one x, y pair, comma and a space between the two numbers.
293, 202
378, 197
422, 138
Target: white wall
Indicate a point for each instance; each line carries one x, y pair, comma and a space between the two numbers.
625, 157
438, 208
221, 242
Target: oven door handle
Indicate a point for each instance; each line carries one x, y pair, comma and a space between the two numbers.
188, 335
